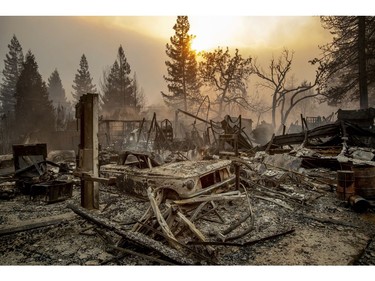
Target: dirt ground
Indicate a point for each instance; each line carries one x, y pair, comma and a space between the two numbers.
322, 231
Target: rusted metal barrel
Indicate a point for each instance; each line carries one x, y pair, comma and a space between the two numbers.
365, 181
359, 204
345, 184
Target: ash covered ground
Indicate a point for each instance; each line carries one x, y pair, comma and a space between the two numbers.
319, 229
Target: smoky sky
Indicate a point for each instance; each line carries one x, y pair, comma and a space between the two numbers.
58, 42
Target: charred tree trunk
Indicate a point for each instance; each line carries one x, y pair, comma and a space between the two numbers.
363, 94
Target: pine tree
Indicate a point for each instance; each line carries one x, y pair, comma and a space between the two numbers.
347, 62
183, 81
56, 90
118, 97
13, 67
33, 110
83, 81
137, 95
57, 95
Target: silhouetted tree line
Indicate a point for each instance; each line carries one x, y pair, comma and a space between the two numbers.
348, 62
345, 72
29, 105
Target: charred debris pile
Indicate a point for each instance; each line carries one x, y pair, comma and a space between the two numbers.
195, 197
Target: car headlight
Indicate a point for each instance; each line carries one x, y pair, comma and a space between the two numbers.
189, 184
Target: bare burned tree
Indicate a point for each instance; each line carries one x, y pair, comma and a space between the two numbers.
275, 79
259, 106
227, 75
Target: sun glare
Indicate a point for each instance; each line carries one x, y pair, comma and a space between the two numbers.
212, 32
201, 44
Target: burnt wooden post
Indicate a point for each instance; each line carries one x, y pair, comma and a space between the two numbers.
87, 112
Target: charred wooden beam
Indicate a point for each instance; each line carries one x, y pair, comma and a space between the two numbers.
135, 237
232, 195
134, 253
36, 223
204, 258
249, 243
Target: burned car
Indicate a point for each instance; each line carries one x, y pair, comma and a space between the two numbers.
135, 172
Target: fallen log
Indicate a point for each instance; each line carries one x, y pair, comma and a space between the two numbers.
35, 223
249, 243
135, 237
147, 257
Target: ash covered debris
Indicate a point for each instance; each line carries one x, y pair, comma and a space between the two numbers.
218, 201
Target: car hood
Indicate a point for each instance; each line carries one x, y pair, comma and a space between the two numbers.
183, 169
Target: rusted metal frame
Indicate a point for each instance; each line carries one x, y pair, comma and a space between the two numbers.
245, 142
